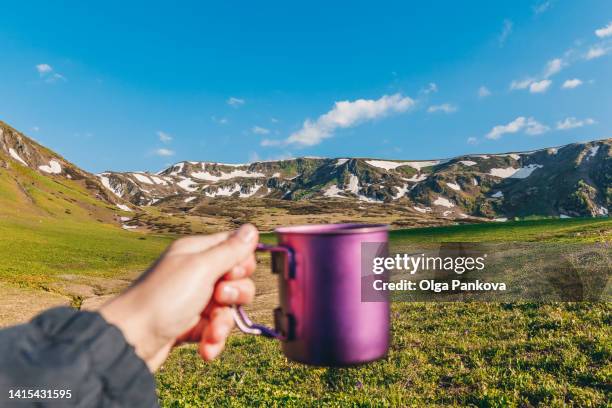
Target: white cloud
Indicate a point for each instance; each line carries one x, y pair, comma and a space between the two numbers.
164, 152
553, 67
345, 114
541, 82
505, 33
541, 6
572, 123
520, 84
571, 83
221, 121
46, 71
540, 86
271, 142
445, 107
43, 69
432, 87
604, 31
529, 125
483, 92
595, 52
260, 130
273, 120
472, 140
164, 137
235, 102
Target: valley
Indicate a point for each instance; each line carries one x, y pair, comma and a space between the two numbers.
69, 237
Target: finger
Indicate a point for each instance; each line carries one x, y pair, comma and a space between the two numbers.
194, 334
210, 351
242, 270
225, 255
197, 243
220, 327
236, 292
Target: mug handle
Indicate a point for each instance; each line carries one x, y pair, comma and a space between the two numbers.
242, 319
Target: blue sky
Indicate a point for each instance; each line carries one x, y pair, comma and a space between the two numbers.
139, 85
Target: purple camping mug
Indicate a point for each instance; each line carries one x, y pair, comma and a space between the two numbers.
322, 319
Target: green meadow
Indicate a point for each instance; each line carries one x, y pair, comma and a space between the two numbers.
452, 354
442, 354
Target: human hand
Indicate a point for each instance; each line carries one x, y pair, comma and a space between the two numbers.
186, 295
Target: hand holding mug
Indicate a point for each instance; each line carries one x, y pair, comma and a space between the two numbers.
186, 295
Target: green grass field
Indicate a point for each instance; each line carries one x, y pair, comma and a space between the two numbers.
451, 354
442, 354
51, 229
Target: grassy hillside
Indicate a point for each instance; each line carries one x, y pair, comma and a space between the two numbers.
56, 236
452, 354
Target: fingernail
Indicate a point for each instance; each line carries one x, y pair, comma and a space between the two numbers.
246, 233
230, 293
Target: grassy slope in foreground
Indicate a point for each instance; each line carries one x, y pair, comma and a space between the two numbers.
51, 227
480, 354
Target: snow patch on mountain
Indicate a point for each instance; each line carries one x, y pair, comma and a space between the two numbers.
401, 191
503, 173
206, 176
444, 202
340, 162
189, 199
454, 186
187, 184
369, 199
176, 169
384, 164
333, 191
390, 165
15, 156
53, 168
421, 164
227, 191
124, 207
498, 194
526, 171
468, 163
353, 185
423, 210
106, 183
159, 180
142, 178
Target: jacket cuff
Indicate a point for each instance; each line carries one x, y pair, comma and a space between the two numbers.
124, 375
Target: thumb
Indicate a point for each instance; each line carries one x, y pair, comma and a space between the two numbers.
223, 256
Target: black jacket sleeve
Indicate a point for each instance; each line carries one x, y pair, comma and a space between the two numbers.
64, 349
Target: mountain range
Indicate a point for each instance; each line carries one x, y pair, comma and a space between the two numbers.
568, 181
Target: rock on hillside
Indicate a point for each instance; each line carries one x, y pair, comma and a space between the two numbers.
16, 149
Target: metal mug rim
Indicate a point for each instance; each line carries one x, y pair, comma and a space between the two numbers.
331, 229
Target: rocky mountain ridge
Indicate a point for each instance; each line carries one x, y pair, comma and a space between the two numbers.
567, 181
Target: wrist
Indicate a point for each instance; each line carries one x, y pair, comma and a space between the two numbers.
126, 313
